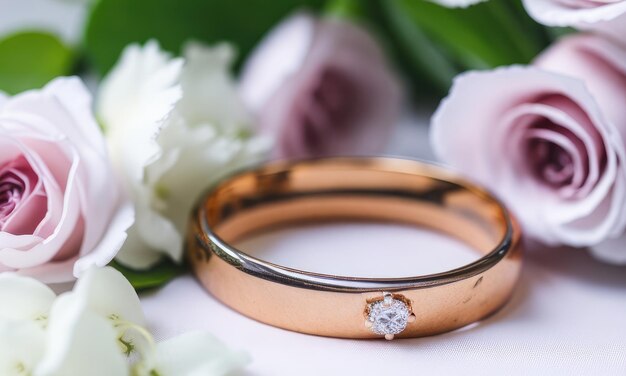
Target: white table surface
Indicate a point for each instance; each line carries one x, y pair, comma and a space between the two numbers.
567, 317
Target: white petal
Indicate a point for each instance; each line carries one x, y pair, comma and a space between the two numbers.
24, 298
79, 342
132, 101
192, 149
21, 347
158, 232
106, 292
142, 87
136, 254
197, 354
209, 91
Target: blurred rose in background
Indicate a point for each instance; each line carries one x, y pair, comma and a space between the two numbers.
322, 87
606, 16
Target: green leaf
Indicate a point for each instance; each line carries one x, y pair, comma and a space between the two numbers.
28, 60
419, 52
442, 40
113, 24
348, 9
157, 276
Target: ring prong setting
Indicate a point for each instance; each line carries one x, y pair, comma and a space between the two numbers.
389, 315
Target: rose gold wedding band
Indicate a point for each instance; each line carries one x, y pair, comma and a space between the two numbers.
372, 189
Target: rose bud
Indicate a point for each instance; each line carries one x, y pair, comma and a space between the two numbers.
321, 87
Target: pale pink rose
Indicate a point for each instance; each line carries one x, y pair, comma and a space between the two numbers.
60, 207
601, 64
543, 144
321, 87
608, 16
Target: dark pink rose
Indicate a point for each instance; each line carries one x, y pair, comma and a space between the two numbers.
321, 87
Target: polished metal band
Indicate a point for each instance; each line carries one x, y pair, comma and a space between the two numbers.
372, 189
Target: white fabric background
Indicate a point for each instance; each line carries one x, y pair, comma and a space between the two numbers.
567, 317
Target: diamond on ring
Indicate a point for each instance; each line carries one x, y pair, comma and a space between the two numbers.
388, 316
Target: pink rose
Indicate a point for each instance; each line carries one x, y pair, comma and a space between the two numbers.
321, 87
59, 202
601, 64
541, 141
607, 16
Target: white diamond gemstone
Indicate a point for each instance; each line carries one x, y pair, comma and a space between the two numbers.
388, 316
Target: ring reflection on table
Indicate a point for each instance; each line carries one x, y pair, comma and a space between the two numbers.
366, 189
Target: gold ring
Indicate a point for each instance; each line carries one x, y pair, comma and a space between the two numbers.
377, 189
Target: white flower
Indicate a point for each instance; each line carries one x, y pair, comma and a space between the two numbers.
24, 298
107, 293
21, 347
96, 329
173, 130
80, 342
197, 354
25, 307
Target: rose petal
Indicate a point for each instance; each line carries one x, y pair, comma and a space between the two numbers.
600, 63
276, 59
31, 209
110, 243
57, 272
611, 250
579, 177
46, 250
292, 104
559, 13
563, 119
